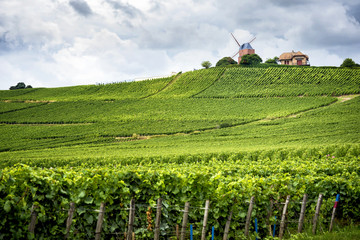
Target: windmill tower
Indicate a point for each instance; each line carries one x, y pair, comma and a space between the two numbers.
244, 48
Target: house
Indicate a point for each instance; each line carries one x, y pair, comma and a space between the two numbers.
294, 58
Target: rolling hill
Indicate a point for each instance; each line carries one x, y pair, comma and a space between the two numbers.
223, 134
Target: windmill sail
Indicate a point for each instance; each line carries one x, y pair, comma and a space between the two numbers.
235, 39
244, 48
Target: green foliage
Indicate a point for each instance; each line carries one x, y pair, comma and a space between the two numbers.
68, 123
225, 61
206, 64
345, 233
109, 92
15, 106
250, 59
281, 82
348, 62
274, 60
226, 180
191, 83
223, 134
20, 85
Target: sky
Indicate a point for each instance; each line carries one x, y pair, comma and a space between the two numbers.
55, 43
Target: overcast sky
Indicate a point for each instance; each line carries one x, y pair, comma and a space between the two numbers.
51, 43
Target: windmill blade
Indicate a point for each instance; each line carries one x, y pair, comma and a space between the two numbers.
237, 52
235, 39
252, 40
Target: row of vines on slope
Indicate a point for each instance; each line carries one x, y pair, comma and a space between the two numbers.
281, 82
107, 92
227, 184
191, 83
69, 122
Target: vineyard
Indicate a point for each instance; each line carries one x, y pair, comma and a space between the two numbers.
105, 92
219, 134
284, 82
228, 181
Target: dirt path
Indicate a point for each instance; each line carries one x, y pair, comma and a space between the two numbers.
345, 98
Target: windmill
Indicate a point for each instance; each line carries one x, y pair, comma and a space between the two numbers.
244, 48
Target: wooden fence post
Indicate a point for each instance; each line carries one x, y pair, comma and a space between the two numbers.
269, 216
302, 213
248, 216
158, 219
333, 213
203, 233
69, 219
131, 219
177, 232
100, 221
227, 225
317, 213
283, 217
33, 218
185, 219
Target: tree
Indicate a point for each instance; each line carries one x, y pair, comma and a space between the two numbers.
274, 60
206, 64
225, 61
348, 62
20, 85
250, 59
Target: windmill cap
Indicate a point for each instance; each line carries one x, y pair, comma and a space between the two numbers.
245, 46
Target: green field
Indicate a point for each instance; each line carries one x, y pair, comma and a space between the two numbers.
223, 134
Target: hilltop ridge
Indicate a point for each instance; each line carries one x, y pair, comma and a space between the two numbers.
210, 83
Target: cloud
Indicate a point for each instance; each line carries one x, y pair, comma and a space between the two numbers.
354, 11
9, 41
81, 7
125, 8
62, 42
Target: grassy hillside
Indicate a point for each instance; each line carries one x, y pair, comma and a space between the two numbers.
282, 82
106, 92
223, 134
151, 112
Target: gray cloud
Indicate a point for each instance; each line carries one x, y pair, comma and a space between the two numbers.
354, 11
127, 39
292, 3
127, 9
9, 42
81, 7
